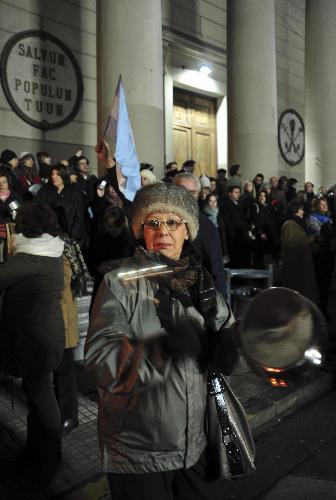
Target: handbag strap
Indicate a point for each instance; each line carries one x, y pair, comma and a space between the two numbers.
218, 391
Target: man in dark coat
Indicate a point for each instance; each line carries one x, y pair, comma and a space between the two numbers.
207, 242
237, 230
86, 181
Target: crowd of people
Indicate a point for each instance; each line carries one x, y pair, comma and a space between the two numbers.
61, 227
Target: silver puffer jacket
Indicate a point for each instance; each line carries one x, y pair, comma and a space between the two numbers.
151, 409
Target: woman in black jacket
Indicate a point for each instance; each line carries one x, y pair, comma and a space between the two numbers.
59, 192
263, 229
32, 333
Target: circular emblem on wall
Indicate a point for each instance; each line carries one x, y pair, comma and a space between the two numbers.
291, 137
41, 79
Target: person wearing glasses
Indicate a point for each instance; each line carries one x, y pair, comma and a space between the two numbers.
154, 323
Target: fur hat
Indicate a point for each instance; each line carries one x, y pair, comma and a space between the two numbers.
161, 197
7, 155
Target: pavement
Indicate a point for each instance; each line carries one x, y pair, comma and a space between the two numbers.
80, 478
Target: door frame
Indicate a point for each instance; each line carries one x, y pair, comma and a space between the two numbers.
193, 81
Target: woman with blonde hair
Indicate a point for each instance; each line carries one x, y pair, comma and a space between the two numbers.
147, 177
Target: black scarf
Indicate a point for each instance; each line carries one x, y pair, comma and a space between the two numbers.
192, 287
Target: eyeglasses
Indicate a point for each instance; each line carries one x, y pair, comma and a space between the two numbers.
170, 224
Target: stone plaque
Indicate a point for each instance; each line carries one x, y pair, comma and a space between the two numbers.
41, 79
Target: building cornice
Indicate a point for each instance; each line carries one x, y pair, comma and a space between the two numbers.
190, 45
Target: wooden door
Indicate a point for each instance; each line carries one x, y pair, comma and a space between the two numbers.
194, 131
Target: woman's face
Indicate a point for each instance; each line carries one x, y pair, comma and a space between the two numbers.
248, 188
163, 240
145, 181
262, 198
29, 162
309, 187
56, 179
213, 186
323, 207
212, 202
3, 184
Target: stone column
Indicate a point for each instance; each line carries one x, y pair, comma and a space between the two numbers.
129, 42
252, 89
320, 92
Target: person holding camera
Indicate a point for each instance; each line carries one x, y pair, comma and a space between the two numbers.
9, 199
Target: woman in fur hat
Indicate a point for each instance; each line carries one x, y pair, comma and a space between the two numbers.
154, 323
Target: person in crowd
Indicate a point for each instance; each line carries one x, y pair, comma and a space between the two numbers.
281, 188
189, 166
9, 162
213, 185
147, 177
211, 210
320, 226
266, 186
274, 182
44, 163
296, 250
221, 183
113, 241
247, 199
32, 334
86, 181
72, 162
28, 174
257, 182
207, 244
237, 230
278, 200
146, 352
65, 374
291, 189
106, 196
263, 229
104, 155
59, 192
76, 278
170, 171
235, 178
146, 166
9, 203
9, 158
66, 164
7, 197
308, 197
205, 190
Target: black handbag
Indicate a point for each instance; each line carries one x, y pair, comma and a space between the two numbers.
231, 450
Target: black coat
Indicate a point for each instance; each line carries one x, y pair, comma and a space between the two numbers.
237, 232
264, 222
208, 247
71, 200
32, 334
87, 187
